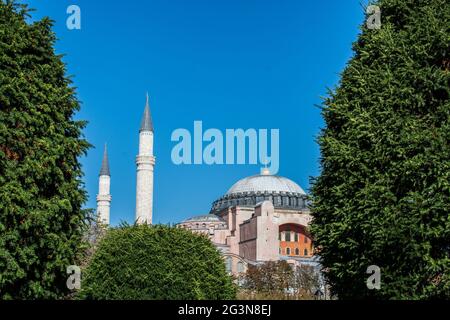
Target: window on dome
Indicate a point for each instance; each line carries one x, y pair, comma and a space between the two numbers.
293, 202
277, 201
301, 203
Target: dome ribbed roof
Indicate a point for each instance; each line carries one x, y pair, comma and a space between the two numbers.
263, 183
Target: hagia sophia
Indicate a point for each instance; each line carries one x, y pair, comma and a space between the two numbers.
260, 218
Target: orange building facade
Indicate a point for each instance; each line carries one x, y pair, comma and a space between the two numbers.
295, 241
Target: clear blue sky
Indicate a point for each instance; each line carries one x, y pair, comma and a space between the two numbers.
230, 63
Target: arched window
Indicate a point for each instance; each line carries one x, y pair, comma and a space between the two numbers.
288, 251
306, 252
240, 267
297, 251
287, 236
228, 264
296, 237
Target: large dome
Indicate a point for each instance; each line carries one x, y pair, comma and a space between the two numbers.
282, 192
265, 183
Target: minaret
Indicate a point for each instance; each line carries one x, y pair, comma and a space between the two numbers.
104, 196
145, 162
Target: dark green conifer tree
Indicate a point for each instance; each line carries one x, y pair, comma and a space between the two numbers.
41, 193
383, 194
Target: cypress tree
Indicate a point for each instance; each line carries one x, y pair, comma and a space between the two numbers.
382, 197
41, 193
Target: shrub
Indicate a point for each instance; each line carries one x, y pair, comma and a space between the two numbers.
156, 262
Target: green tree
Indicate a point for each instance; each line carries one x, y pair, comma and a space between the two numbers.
156, 262
277, 280
271, 278
306, 281
41, 193
383, 194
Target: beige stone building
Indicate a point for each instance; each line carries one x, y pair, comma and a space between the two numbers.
260, 218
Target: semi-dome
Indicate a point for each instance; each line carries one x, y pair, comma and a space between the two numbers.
282, 192
263, 183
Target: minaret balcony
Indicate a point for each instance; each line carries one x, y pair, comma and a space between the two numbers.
104, 197
145, 160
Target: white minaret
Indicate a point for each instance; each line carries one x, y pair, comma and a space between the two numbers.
145, 162
104, 196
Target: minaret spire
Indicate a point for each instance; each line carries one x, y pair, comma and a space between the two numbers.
146, 122
145, 162
104, 187
104, 171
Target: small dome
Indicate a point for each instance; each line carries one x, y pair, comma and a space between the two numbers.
205, 218
265, 183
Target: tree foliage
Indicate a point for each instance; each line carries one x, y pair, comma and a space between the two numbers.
156, 262
41, 193
383, 194
270, 277
279, 280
